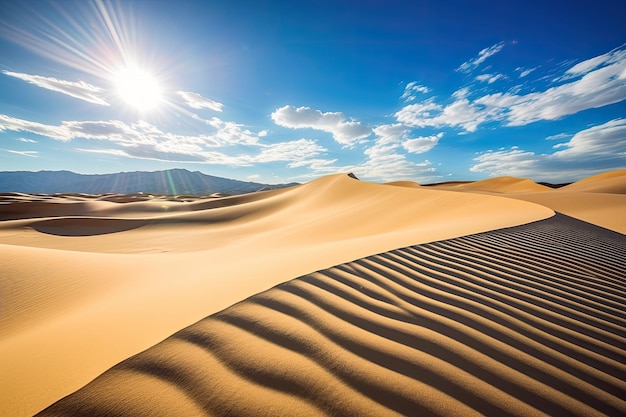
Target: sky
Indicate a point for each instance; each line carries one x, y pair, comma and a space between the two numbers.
282, 91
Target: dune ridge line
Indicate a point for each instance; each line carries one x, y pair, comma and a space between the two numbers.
474, 325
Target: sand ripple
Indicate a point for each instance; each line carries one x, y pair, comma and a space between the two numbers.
524, 321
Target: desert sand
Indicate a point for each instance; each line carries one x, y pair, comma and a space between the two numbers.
335, 297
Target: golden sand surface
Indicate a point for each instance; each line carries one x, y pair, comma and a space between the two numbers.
521, 321
88, 281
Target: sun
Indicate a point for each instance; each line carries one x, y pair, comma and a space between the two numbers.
138, 88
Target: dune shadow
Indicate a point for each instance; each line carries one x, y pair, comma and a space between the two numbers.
87, 226
472, 318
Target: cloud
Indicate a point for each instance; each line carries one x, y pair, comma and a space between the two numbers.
599, 82
345, 132
482, 56
398, 134
523, 72
461, 113
196, 101
422, 144
296, 152
231, 132
558, 136
19, 125
383, 161
77, 89
614, 56
26, 140
489, 78
590, 151
386, 164
32, 154
411, 88
145, 141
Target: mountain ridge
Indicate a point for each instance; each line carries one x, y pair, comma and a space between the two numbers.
171, 181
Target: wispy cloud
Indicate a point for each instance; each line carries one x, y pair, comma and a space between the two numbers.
422, 144
489, 78
296, 152
145, 141
26, 140
558, 136
590, 151
524, 72
77, 89
345, 132
614, 56
32, 154
482, 56
196, 101
384, 163
412, 89
461, 113
230, 133
599, 82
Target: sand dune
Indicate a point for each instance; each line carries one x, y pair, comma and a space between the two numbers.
600, 199
502, 323
498, 185
87, 281
608, 182
97, 281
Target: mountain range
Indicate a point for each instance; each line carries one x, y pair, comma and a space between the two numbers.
171, 181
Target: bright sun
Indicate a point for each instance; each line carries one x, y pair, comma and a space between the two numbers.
138, 88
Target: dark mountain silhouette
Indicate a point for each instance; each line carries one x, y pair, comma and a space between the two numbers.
171, 181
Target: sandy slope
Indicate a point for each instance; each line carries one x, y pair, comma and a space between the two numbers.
600, 199
87, 282
607, 182
524, 321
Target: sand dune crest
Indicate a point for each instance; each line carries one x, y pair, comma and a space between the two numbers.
476, 325
77, 271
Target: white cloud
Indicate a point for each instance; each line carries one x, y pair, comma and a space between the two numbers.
32, 154
393, 135
590, 151
384, 163
77, 89
558, 136
461, 113
489, 78
422, 144
524, 72
19, 125
419, 114
296, 151
482, 56
145, 141
411, 88
26, 140
603, 83
196, 101
584, 67
231, 132
345, 132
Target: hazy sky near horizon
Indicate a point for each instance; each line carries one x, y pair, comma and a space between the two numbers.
278, 91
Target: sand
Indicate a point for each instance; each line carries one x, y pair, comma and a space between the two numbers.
382, 320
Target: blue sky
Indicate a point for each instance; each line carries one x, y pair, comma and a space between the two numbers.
278, 91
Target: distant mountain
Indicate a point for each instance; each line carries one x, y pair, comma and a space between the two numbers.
172, 181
